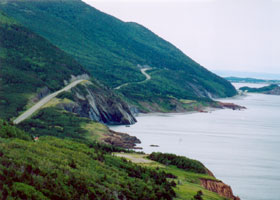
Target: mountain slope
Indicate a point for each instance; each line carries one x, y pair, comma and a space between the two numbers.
31, 68
113, 50
28, 63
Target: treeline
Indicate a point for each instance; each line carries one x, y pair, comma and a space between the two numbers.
179, 161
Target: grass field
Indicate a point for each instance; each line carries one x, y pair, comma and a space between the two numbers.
188, 183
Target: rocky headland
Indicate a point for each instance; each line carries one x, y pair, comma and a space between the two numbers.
230, 106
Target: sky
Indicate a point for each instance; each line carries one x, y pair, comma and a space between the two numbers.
221, 35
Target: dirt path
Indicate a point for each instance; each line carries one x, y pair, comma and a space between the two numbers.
143, 71
135, 158
43, 101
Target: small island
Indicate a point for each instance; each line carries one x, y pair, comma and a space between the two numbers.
272, 89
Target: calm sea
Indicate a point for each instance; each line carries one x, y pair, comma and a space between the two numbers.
242, 148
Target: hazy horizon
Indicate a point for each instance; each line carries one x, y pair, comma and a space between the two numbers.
220, 35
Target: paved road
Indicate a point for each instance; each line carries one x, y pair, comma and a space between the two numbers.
143, 71
43, 101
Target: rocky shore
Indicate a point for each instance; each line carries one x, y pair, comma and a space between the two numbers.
230, 106
121, 140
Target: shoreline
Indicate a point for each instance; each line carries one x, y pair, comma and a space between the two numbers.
132, 142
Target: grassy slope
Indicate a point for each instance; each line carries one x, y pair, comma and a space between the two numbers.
52, 121
52, 168
28, 63
111, 50
188, 183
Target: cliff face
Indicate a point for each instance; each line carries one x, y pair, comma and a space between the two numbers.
99, 105
218, 187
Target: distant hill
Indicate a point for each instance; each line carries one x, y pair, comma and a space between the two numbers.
112, 51
273, 89
246, 74
250, 80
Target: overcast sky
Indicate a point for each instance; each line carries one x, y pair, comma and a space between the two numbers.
242, 35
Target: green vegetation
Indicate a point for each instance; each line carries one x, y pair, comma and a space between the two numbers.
28, 63
53, 121
187, 183
10, 131
66, 95
179, 161
52, 168
260, 90
67, 161
111, 50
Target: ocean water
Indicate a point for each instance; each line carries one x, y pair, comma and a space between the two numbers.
242, 148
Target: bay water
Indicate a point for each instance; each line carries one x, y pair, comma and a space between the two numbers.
242, 148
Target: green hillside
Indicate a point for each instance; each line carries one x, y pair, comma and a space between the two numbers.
53, 168
31, 68
28, 64
112, 51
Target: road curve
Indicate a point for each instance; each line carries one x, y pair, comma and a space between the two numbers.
43, 101
143, 71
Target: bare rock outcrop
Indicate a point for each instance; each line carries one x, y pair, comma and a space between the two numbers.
218, 187
122, 140
99, 105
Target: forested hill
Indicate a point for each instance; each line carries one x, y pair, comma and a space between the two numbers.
28, 64
112, 51
31, 68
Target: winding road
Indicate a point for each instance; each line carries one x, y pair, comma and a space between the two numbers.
43, 101
143, 71
46, 99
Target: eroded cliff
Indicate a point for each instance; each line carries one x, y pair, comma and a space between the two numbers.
218, 187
